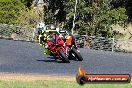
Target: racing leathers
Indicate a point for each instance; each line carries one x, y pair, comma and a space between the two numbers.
41, 28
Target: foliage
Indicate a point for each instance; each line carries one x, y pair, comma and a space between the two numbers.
10, 10
95, 18
128, 6
17, 12
28, 17
54, 11
28, 3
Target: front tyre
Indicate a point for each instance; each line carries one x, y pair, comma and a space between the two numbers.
64, 58
77, 54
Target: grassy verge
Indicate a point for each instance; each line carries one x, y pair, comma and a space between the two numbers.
57, 84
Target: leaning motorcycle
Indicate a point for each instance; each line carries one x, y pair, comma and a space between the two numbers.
72, 50
58, 50
74, 53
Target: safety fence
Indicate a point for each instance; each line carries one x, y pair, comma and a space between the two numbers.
17, 32
101, 43
106, 44
97, 43
93, 42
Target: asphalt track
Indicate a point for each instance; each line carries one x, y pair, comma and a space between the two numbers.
26, 57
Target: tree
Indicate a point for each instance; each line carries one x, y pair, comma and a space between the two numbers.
54, 11
93, 17
10, 10
96, 17
28, 3
128, 7
28, 17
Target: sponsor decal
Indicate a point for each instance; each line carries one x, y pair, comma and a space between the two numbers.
82, 77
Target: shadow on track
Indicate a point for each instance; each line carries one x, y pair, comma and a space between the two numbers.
47, 60
51, 60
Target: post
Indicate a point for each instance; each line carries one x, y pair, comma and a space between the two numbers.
74, 16
113, 44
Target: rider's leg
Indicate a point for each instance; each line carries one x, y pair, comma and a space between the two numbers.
40, 40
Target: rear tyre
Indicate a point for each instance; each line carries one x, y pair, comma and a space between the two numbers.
64, 58
77, 54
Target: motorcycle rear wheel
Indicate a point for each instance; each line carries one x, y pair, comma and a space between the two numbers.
64, 58
77, 54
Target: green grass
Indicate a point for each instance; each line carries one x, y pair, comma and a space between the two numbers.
57, 84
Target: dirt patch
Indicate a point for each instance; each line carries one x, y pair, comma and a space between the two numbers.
30, 77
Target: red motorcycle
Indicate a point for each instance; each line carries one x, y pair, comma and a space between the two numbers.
58, 48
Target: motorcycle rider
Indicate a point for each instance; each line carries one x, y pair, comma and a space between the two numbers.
70, 40
51, 37
66, 35
54, 38
41, 28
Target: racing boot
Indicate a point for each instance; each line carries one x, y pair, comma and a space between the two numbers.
47, 52
41, 45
